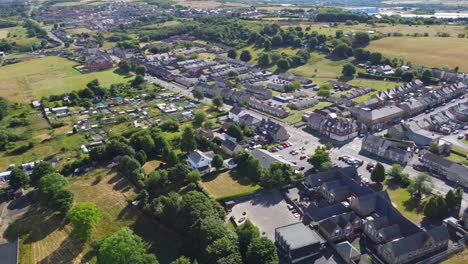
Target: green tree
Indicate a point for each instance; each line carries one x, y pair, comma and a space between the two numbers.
172, 158
217, 162
245, 56
193, 176
421, 185
62, 201
283, 64
434, 147
142, 141
128, 166
348, 70
139, 80
123, 247
361, 39
435, 207
197, 94
83, 218
182, 260
140, 70
40, 170
49, 186
18, 179
375, 57
234, 130
312, 44
263, 59
426, 76
188, 142
451, 200
378, 174
342, 51
407, 76
278, 174
232, 53
261, 251
246, 233
222, 248
124, 66
198, 119
218, 102
326, 166
292, 86
319, 157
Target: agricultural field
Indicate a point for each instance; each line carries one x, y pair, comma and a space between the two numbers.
209, 4
226, 184
431, 51
26, 81
52, 243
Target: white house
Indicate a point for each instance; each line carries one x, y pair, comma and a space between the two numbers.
235, 113
200, 161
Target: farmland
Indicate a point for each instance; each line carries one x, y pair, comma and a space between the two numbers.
26, 81
50, 241
435, 52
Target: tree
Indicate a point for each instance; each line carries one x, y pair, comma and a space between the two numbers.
40, 170
278, 174
198, 119
348, 70
375, 57
169, 126
263, 59
312, 44
142, 141
4, 108
361, 39
124, 66
128, 166
138, 80
217, 162
421, 185
435, 207
283, 64
188, 142
277, 41
62, 201
232, 53
261, 251
140, 70
246, 233
197, 94
49, 186
83, 218
451, 200
326, 166
222, 248
234, 130
18, 179
407, 76
342, 50
182, 260
292, 86
361, 54
320, 156
245, 56
434, 147
124, 247
193, 176
218, 102
172, 158
378, 174
426, 76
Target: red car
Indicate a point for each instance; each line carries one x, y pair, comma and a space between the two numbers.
285, 145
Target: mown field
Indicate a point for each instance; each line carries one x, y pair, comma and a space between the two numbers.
18, 35
29, 80
47, 239
435, 52
225, 184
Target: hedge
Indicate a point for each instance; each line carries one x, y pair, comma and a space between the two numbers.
378, 77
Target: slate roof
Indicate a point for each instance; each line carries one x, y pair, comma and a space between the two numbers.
266, 158
298, 236
196, 155
9, 253
338, 221
347, 250
229, 144
236, 110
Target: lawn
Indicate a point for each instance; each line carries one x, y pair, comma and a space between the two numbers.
151, 166
46, 238
319, 67
26, 81
296, 116
458, 158
431, 51
375, 85
407, 205
227, 183
459, 258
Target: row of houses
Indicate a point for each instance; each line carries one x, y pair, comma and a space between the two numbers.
350, 211
445, 168
386, 149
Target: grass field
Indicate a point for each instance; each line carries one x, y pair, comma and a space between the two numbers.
19, 35
46, 238
209, 4
407, 205
151, 166
79, 30
226, 183
26, 81
431, 51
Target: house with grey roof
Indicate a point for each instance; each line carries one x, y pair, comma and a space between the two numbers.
200, 161
297, 242
445, 168
378, 118
409, 248
386, 149
228, 146
340, 227
348, 252
266, 158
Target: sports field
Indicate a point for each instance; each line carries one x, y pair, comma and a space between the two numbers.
431, 51
29, 80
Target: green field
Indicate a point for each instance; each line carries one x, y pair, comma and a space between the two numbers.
29, 80
19, 36
46, 238
225, 184
431, 51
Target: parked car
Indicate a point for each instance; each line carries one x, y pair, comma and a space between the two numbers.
456, 132
302, 157
461, 136
301, 168
370, 166
293, 162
